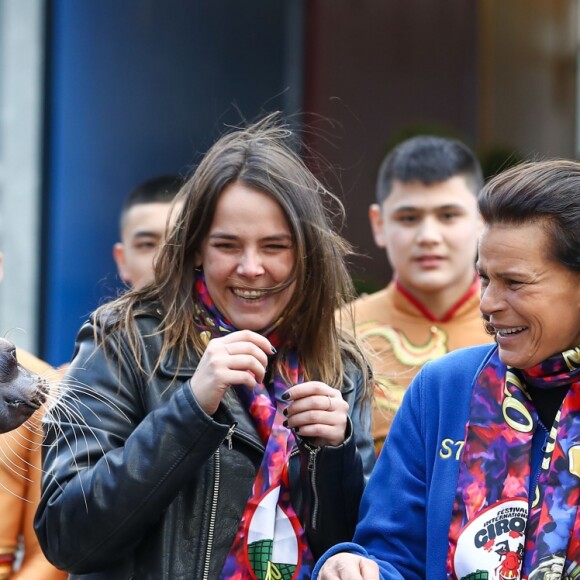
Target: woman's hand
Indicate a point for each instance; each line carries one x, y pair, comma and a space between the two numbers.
346, 566
318, 412
239, 358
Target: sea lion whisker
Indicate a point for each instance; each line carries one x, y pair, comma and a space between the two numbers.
21, 442
90, 391
68, 444
73, 395
14, 467
69, 401
74, 417
14, 494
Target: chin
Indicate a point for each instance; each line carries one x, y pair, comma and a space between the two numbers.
517, 362
253, 325
508, 358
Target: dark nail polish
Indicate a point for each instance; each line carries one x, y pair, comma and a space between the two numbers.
296, 429
274, 351
285, 423
285, 396
285, 411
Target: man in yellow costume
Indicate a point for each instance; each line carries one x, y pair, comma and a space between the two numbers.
426, 218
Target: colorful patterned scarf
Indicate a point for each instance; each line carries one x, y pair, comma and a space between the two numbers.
497, 531
270, 543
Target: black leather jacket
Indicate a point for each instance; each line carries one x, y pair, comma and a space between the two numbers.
152, 487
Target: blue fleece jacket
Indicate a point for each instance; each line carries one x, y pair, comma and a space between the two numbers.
406, 508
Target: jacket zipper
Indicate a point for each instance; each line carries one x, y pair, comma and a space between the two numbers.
212, 516
229, 434
313, 452
213, 513
242, 437
214, 501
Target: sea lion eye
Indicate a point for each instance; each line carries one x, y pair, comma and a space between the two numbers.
13, 354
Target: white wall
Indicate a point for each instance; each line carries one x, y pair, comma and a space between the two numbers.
21, 54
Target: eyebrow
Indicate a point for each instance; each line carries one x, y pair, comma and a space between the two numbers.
224, 236
447, 206
505, 274
146, 234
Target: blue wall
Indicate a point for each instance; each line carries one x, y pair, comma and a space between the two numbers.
138, 88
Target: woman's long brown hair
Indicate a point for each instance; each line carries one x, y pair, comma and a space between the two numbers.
261, 157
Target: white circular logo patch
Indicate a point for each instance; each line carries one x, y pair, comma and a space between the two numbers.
493, 542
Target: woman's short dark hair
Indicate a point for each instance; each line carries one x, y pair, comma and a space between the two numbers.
546, 192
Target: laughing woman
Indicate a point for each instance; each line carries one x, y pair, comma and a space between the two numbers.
234, 442
480, 477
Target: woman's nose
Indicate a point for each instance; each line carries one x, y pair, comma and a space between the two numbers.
250, 264
491, 300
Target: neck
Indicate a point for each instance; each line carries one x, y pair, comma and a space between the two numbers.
441, 306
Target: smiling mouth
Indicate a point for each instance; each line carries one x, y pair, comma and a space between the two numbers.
253, 295
505, 332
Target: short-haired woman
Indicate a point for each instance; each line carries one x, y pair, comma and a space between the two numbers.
480, 477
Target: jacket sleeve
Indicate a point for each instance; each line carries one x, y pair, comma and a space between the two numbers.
334, 478
111, 468
392, 527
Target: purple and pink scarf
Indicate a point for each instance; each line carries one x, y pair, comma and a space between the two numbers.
270, 542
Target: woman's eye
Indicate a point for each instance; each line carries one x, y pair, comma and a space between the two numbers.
512, 283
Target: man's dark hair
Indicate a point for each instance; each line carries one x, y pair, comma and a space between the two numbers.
159, 189
428, 159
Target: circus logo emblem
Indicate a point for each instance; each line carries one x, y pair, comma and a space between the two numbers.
273, 549
491, 546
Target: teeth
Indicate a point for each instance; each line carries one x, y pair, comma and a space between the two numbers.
249, 294
508, 331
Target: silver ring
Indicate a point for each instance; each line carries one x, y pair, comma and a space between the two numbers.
329, 408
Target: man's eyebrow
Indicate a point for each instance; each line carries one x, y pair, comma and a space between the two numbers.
146, 234
446, 206
406, 208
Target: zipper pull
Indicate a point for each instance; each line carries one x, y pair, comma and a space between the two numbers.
228, 437
313, 451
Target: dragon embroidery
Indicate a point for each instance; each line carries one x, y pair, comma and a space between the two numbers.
402, 348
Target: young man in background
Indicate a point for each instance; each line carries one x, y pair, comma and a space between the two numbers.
144, 219
426, 219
